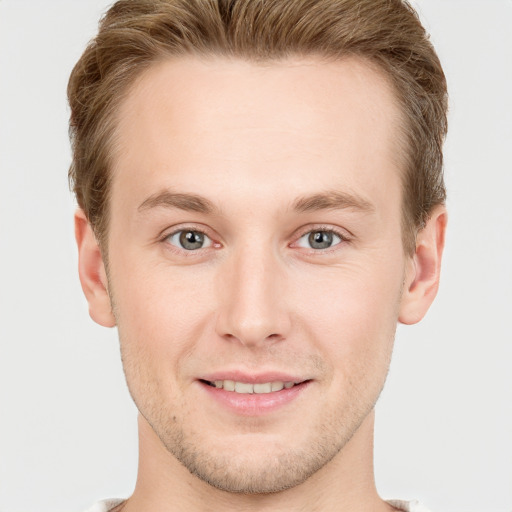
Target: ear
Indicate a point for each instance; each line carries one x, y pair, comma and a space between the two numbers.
423, 269
92, 272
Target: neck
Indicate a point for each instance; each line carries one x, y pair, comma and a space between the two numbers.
345, 483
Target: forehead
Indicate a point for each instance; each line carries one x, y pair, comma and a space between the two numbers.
319, 123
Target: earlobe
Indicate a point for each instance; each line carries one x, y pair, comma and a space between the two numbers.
424, 268
92, 272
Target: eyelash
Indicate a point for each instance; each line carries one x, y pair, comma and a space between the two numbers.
182, 251
188, 253
344, 238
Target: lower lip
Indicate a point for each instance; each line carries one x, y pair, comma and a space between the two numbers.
254, 404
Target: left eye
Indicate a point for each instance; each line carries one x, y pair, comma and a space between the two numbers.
189, 240
320, 239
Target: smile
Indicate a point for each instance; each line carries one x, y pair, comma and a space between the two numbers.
248, 388
252, 395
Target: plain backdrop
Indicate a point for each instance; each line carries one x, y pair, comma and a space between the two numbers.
67, 425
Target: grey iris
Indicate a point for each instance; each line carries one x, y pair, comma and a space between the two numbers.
320, 239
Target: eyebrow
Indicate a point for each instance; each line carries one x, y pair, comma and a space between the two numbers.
187, 202
332, 200
329, 200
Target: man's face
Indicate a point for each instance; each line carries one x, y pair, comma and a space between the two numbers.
255, 242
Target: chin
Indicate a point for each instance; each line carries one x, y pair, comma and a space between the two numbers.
254, 463
261, 473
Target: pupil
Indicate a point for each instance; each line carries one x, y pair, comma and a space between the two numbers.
320, 239
191, 240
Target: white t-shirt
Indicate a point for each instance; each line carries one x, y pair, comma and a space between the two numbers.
405, 506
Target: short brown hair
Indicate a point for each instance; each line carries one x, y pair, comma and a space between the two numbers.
136, 33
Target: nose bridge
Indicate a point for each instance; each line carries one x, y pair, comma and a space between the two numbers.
252, 307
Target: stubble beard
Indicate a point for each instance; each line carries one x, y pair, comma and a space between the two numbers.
236, 472
232, 469
227, 465
261, 471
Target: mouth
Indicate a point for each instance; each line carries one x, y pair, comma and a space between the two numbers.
253, 394
251, 388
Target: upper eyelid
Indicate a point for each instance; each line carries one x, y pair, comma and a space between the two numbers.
344, 234
335, 233
168, 240
169, 231
334, 247
181, 251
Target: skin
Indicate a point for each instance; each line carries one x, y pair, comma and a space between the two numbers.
271, 152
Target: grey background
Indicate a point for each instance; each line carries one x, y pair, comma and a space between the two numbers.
67, 425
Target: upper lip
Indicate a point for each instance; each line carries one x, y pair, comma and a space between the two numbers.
252, 378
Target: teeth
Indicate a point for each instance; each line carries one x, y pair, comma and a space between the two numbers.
263, 388
246, 388
277, 386
242, 387
229, 385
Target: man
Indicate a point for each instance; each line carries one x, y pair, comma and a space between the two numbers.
260, 202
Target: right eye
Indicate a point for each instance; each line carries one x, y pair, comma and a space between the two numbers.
189, 239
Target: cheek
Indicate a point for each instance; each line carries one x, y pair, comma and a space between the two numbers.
352, 312
158, 320
159, 314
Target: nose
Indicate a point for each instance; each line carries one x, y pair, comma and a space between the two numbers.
252, 291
